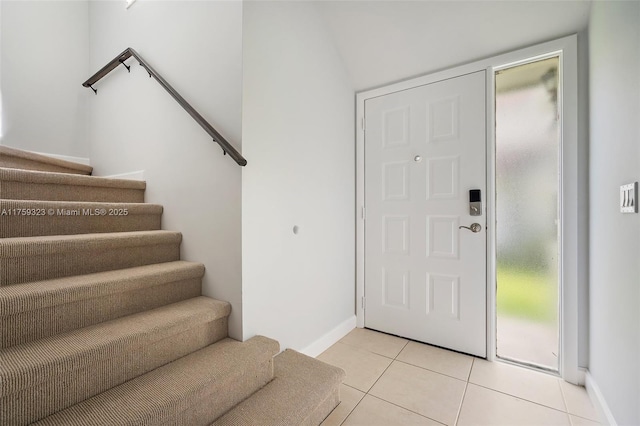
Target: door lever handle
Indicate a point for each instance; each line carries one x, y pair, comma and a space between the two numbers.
475, 227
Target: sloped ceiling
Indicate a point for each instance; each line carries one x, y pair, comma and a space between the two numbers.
386, 41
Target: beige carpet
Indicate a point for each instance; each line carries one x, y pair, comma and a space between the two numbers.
101, 323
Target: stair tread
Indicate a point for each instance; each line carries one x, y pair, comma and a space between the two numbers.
299, 381
34, 176
6, 151
40, 294
30, 363
31, 246
175, 387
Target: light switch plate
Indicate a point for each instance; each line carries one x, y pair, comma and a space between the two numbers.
629, 198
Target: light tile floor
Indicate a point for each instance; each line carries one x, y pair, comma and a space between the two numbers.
393, 381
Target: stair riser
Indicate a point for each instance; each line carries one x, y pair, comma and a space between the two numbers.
226, 393
324, 409
36, 324
15, 190
309, 385
24, 164
65, 385
31, 226
16, 270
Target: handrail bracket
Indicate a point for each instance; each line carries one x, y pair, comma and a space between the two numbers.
128, 67
145, 68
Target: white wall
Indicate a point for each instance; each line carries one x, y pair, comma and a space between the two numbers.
136, 125
44, 51
298, 126
614, 36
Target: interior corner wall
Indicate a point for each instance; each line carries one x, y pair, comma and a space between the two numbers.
44, 60
614, 350
298, 216
136, 125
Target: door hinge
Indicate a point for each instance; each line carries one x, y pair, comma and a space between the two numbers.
364, 213
363, 302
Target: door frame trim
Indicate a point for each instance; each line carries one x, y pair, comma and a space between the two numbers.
572, 220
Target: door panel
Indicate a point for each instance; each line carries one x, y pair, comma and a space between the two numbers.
425, 278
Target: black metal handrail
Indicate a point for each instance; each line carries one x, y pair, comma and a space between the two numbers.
227, 148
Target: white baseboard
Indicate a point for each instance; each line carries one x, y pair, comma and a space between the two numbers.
80, 160
139, 175
323, 343
600, 404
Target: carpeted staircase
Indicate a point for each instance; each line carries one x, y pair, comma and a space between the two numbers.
101, 323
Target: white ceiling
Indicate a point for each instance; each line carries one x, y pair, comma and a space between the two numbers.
386, 41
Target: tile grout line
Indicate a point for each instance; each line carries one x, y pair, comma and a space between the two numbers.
432, 371
522, 398
353, 387
569, 414
374, 383
473, 362
517, 397
583, 418
464, 394
406, 409
382, 374
564, 399
353, 409
392, 403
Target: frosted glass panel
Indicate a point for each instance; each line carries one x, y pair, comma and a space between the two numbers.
527, 146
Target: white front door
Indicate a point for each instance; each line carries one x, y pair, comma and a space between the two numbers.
425, 277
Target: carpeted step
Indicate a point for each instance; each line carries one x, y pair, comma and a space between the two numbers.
194, 390
16, 184
40, 309
304, 391
40, 378
19, 159
28, 218
25, 259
